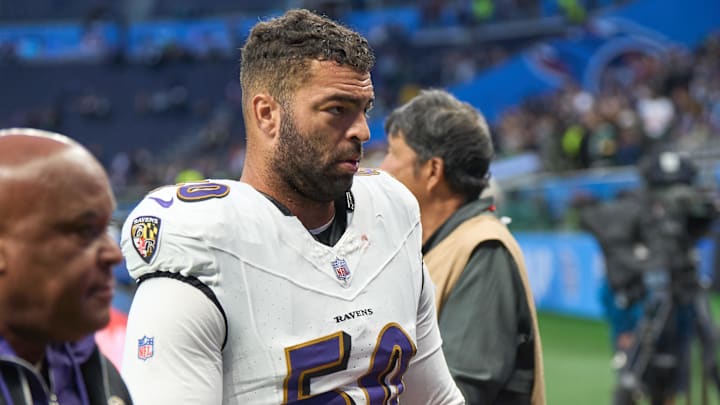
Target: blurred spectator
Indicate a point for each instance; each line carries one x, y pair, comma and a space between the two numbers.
119, 170
189, 176
92, 105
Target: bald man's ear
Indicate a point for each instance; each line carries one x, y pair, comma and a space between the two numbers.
266, 112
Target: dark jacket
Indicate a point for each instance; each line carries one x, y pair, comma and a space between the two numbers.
486, 323
78, 373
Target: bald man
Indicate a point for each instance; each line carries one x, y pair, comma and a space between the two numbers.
56, 283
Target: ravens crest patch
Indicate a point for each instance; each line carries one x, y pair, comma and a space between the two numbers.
144, 233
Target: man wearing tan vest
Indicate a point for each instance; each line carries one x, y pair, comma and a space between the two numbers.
440, 148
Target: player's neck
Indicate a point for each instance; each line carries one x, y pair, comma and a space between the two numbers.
312, 214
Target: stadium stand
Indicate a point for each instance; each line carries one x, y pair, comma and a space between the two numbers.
148, 89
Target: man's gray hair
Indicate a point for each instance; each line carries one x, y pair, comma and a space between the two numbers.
436, 124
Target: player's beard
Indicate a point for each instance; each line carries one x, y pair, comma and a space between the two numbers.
298, 163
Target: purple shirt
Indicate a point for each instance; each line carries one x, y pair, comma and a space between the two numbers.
64, 360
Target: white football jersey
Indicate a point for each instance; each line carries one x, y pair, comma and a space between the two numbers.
302, 322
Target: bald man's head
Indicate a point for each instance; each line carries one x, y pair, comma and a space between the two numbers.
31, 158
20, 146
56, 255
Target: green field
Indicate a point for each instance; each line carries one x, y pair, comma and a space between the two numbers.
577, 361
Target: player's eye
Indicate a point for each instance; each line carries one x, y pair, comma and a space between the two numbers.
336, 110
368, 109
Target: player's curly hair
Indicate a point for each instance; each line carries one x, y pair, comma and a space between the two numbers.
277, 53
435, 123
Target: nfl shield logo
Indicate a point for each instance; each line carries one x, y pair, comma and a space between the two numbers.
342, 272
146, 346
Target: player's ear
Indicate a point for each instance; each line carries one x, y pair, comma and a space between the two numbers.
435, 172
266, 112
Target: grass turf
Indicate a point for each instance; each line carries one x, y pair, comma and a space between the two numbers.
577, 360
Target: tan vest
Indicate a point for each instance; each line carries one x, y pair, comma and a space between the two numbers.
446, 262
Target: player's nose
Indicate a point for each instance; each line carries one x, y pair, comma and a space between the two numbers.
359, 129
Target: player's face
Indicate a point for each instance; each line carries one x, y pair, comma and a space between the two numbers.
322, 131
60, 255
401, 162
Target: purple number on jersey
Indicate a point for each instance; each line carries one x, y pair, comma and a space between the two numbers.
201, 191
392, 355
330, 354
316, 358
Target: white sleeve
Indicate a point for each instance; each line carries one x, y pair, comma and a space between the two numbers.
428, 379
183, 364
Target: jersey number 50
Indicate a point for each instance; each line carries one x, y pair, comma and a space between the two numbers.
330, 354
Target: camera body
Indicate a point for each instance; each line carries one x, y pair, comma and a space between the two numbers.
649, 238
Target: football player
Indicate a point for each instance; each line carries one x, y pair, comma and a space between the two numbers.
303, 282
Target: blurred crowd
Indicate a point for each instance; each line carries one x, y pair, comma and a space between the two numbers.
641, 100
434, 11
